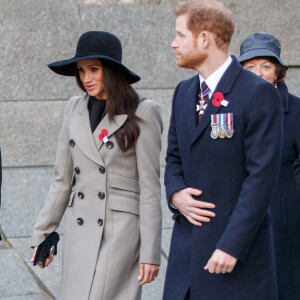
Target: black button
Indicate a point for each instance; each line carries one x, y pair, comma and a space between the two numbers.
101, 195
80, 195
79, 221
72, 143
77, 170
101, 169
100, 222
109, 145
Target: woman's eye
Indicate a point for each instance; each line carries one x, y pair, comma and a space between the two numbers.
266, 67
80, 70
250, 67
94, 69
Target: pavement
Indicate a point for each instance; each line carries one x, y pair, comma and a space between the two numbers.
19, 280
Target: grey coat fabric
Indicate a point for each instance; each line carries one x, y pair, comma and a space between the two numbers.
114, 195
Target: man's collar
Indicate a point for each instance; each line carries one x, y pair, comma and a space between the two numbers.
213, 80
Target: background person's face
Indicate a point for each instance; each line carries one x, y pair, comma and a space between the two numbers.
91, 76
264, 68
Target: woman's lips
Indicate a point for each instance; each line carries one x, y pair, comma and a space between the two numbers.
90, 87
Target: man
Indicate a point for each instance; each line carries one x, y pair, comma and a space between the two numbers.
223, 159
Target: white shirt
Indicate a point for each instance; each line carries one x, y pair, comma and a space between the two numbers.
213, 80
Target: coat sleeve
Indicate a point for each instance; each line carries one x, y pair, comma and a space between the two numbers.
263, 117
148, 149
174, 176
60, 189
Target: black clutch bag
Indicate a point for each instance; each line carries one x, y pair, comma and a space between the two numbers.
46, 249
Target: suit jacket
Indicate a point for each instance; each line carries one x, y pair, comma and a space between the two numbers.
285, 206
112, 204
238, 174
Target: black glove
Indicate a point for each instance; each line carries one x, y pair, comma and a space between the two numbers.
46, 249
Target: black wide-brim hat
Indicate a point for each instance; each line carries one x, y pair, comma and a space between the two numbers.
260, 44
95, 44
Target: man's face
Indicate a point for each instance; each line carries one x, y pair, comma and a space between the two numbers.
188, 54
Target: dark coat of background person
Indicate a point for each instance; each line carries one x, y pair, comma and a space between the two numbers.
238, 174
285, 207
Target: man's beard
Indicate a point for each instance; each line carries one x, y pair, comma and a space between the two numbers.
191, 61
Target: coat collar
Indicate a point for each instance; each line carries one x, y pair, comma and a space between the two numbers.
224, 86
87, 141
284, 95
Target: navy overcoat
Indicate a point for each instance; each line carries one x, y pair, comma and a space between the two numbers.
238, 174
285, 207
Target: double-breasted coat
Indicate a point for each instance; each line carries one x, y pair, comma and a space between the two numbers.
112, 204
285, 206
238, 175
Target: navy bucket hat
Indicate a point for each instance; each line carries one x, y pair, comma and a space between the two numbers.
260, 44
95, 44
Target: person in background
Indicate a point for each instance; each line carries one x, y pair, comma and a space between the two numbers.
107, 178
260, 54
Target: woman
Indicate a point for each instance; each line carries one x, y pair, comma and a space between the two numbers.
107, 178
260, 53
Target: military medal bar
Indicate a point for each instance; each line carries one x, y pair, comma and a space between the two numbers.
222, 126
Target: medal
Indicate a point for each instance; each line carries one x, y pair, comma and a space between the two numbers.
229, 125
214, 127
222, 133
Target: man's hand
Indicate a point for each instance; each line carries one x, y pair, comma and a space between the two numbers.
192, 209
220, 262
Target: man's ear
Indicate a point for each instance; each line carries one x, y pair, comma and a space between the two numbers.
204, 39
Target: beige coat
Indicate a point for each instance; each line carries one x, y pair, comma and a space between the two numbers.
112, 202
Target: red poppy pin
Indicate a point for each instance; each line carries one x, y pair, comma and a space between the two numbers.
217, 99
102, 135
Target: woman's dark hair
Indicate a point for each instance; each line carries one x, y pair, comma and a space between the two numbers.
121, 99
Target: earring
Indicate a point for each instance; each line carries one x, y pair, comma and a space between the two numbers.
275, 84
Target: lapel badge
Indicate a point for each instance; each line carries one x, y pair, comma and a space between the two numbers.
219, 100
103, 138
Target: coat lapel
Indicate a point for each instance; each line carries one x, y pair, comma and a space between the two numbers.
190, 105
111, 127
82, 133
224, 86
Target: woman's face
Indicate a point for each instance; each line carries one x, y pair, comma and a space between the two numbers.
91, 75
263, 68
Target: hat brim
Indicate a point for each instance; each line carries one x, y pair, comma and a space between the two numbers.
68, 67
259, 52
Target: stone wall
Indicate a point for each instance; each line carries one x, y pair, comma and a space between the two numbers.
34, 33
